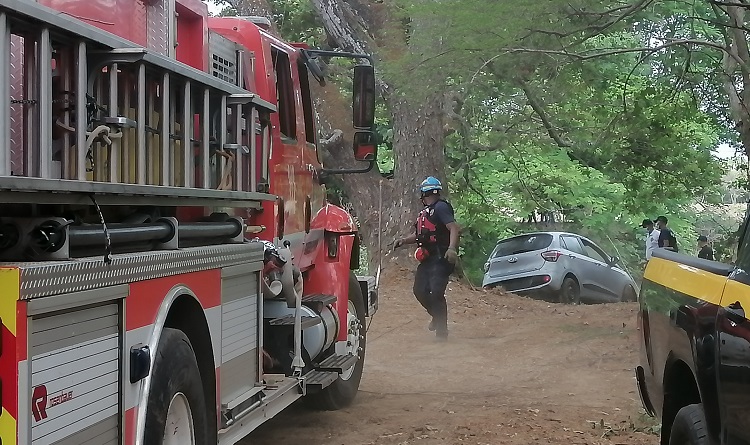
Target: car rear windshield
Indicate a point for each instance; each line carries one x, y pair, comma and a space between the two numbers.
523, 243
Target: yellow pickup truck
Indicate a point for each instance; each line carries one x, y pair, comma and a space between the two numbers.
694, 371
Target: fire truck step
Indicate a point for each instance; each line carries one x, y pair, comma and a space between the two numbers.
337, 363
288, 320
320, 379
323, 299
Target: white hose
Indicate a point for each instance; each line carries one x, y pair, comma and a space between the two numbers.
102, 131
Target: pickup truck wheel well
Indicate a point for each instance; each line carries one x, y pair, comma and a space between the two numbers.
187, 315
680, 390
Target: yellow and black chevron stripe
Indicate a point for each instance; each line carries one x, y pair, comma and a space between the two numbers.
9, 296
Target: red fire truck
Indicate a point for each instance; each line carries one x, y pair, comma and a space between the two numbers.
170, 271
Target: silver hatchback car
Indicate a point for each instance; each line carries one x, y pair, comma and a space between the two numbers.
568, 266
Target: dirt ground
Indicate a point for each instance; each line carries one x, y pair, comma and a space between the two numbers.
514, 371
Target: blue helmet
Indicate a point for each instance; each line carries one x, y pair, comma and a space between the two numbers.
430, 185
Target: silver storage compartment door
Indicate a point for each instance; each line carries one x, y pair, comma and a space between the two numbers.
74, 373
239, 332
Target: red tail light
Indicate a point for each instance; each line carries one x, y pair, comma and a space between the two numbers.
551, 255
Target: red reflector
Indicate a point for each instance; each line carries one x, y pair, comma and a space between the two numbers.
546, 278
551, 255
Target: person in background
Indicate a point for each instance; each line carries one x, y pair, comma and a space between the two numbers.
652, 237
667, 239
436, 234
705, 252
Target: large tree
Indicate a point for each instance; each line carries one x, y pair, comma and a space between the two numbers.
416, 118
593, 112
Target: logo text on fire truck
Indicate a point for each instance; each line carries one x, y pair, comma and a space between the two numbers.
40, 402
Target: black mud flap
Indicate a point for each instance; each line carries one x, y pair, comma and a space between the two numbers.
370, 292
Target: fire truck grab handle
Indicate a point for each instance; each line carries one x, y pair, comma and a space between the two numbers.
140, 362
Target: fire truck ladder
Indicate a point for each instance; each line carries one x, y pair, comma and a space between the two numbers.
90, 114
92, 119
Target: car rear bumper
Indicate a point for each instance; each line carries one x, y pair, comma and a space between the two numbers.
524, 283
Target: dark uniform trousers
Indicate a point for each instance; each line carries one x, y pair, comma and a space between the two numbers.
430, 282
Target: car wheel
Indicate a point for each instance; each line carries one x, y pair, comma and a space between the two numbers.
629, 294
689, 427
570, 292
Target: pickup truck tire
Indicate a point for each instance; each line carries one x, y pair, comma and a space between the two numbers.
570, 291
689, 427
342, 392
176, 410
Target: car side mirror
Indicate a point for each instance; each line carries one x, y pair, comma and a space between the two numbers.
363, 97
365, 146
614, 260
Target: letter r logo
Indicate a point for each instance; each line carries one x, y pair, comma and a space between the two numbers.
39, 402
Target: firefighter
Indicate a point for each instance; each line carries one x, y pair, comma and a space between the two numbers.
436, 235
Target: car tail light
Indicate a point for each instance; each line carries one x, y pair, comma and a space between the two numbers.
551, 255
486, 267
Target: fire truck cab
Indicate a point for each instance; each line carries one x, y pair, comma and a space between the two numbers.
170, 270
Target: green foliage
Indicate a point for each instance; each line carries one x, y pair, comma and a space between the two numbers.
295, 19
597, 143
600, 143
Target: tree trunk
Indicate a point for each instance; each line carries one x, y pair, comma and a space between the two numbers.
417, 127
357, 26
418, 153
737, 57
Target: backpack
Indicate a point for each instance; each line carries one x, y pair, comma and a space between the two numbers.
672, 240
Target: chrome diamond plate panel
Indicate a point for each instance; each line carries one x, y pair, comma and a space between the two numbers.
43, 279
140, 23
158, 26
16, 109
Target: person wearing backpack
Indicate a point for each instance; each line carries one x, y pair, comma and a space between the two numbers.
667, 238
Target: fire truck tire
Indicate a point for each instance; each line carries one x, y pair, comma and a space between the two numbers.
689, 427
342, 392
176, 401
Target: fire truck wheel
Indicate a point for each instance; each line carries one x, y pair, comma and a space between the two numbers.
341, 393
689, 427
176, 412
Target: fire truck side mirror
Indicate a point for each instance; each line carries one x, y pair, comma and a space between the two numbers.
365, 146
363, 97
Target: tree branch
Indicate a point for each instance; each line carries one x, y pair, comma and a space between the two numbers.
539, 110
628, 11
723, 3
